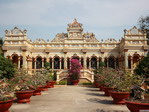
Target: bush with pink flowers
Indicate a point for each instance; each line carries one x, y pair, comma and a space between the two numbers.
75, 68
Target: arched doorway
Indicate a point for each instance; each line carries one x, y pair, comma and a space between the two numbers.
111, 62
94, 62
56, 63
87, 62
136, 59
15, 59
39, 63
62, 63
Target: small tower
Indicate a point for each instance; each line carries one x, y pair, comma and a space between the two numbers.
75, 29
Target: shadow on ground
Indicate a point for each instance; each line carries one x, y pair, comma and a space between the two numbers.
103, 110
97, 100
95, 94
92, 90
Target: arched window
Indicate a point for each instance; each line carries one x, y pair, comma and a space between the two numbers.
68, 63
111, 62
82, 61
62, 63
38, 63
94, 63
87, 62
15, 60
56, 63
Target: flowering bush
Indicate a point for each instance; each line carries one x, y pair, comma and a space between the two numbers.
23, 81
74, 71
39, 79
6, 90
126, 81
120, 80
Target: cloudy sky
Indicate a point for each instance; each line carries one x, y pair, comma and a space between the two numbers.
46, 18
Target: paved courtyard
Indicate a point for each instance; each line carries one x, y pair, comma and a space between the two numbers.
70, 99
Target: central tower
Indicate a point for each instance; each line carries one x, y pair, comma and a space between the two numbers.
75, 29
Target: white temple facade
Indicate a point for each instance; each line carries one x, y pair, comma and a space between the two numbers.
123, 54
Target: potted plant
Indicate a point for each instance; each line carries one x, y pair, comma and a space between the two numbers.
97, 74
39, 83
125, 82
140, 100
24, 86
109, 79
50, 75
74, 71
6, 95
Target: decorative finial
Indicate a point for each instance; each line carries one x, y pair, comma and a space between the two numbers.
75, 19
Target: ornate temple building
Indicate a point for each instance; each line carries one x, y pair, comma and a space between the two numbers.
32, 55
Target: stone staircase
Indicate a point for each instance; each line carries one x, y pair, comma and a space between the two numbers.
86, 74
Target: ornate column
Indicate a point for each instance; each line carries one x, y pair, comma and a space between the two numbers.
52, 63
65, 60
47, 56
42, 62
19, 58
115, 63
24, 59
84, 61
34, 63
29, 63
60, 63
89, 63
107, 63
97, 62
126, 58
131, 60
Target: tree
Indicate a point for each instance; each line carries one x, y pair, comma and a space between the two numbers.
7, 68
143, 23
143, 67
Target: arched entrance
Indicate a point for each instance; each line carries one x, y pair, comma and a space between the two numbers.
56, 63
15, 59
135, 60
94, 62
39, 63
111, 62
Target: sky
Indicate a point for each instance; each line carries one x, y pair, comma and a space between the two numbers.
45, 18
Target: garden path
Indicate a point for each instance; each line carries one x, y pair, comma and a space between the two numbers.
70, 99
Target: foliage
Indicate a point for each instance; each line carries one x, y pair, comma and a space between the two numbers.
7, 68
106, 76
6, 90
23, 81
49, 74
47, 65
143, 23
101, 64
120, 80
62, 82
39, 79
143, 67
74, 71
126, 81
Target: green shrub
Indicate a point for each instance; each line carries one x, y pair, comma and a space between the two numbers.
143, 67
62, 82
7, 68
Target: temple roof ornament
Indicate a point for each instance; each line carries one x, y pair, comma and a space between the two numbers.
39, 40
133, 31
75, 24
15, 31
